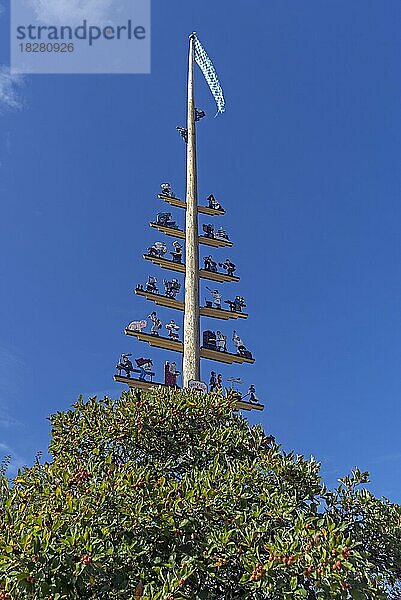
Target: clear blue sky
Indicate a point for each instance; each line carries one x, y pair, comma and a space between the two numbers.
306, 161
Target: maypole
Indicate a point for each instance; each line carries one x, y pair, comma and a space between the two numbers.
214, 343
191, 358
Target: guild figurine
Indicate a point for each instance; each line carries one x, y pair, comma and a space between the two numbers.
157, 324
183, 133
237, 304
210, 264
171, 288
199, 114
213, 203
212, 381
170, 374
166, 190
215, 341
158, 250
151, 285
229, 266
125, 364
252, 394
165, 220
137, 325
216, 298
215, 383
177, 253
222, 234
145, 365
208, 230
221, 341
239, 344
173, 330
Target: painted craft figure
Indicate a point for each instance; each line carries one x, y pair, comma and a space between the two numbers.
151, 285
145, 368
199, 114
156, 323
221, 234
252, 394
208, 230
221, 341
167, 191
166, 220
171, 288
229, 266
170, 374
125, 364
213, 203
173, 330
212, 381
215, 341
159, 249
239, 344
215, 383
216, 298
183, 131
210, 264
177, 252
237, 304
137, 325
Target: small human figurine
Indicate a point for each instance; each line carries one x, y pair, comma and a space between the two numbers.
221, 341
170, 374
208, 230
210, 264
252, 394
177, 252
171, 287
213, 203
237, 304
219, 384
158, 249
166, 190
212, 381
137, 325
199, 114
151, 285
173, 330
216, 297
221, 234
157, 324
165, 220
125, 364
229, 266
145, 365
239, 344
183, 133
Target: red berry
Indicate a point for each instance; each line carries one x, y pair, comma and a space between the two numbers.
86, 559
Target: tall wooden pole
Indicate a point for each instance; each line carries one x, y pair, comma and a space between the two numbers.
191, 359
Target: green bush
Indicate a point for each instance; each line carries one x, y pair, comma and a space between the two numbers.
169, 495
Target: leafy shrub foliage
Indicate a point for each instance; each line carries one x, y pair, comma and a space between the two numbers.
169, 495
